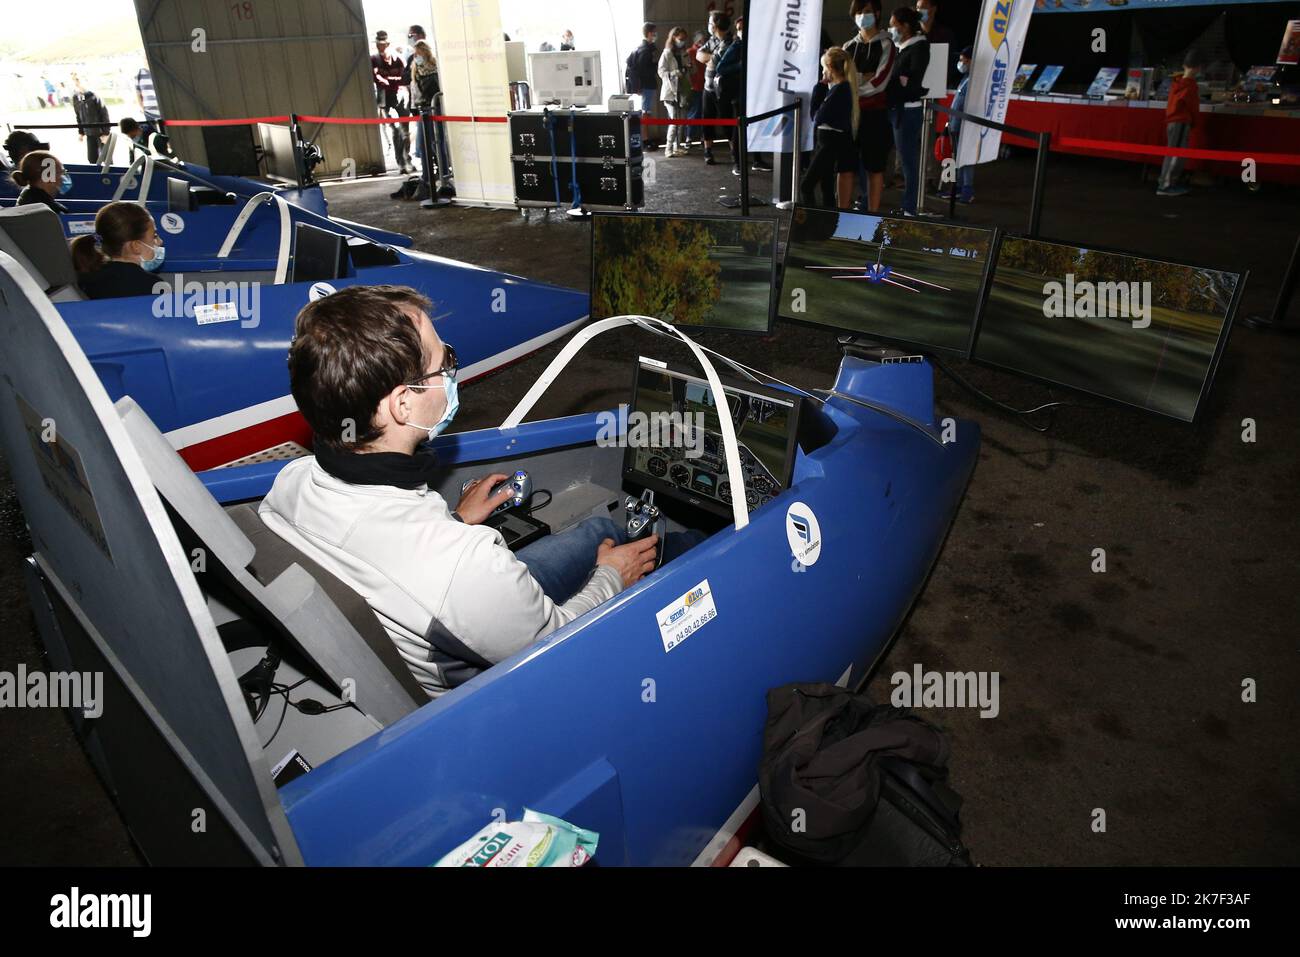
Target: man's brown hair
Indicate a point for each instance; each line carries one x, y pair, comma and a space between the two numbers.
350, 349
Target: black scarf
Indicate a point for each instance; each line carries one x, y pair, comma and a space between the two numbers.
378, 468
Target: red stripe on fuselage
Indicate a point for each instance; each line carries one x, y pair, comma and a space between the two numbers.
248, 441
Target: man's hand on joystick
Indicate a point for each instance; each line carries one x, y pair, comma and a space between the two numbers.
477, 501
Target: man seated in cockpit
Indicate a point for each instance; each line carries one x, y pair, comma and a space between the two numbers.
374, 381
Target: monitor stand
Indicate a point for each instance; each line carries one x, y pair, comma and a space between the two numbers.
872, 351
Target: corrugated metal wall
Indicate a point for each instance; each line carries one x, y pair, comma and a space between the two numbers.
265, 58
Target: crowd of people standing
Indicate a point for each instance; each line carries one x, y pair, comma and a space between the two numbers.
867, 105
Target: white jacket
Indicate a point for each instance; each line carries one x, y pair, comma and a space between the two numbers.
672, 77
402, 551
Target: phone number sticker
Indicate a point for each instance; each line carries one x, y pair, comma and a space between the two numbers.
687, 615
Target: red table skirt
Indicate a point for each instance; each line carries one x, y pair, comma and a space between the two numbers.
1235, 132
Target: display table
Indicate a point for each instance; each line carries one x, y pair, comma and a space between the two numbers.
1238, 128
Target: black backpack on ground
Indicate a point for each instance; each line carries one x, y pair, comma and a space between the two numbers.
848, 783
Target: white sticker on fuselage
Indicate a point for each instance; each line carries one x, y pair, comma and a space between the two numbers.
81, 227
687, 615
172, 223
208, 313
803, 533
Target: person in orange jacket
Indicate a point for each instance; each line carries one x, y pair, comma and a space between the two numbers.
1180, 116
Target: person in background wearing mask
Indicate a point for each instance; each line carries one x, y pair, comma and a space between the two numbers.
710, 55
120, 259
904, 97
965, 183
643, 76
936, 32
696, 70
374, 381
566, 40
674, 88
873, 60
729, 73
40, 177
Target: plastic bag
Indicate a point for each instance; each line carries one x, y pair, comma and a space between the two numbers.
539, 840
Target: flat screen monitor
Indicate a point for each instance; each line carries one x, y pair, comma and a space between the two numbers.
318, 254
907, 282
674, 442
697, 272
566, 77
179, 198
277, 148
231, 150
1144, 332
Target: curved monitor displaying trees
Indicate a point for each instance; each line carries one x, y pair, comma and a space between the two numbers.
1144, 332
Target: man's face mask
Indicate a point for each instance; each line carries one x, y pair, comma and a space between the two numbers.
865, 21
65, 185
448, 383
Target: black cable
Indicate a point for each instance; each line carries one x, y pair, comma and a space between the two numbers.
283, 690
1021, 414
549, 498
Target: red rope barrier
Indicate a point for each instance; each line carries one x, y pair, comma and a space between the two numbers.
1142, 149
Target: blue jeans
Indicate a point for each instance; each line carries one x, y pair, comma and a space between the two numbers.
907, 140
966, 182
563, 562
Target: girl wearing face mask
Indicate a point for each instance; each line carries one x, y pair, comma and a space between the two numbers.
904, 96
41, 177
123, 255
873, 57
675, 88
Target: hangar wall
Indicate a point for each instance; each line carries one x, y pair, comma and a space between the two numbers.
265, 58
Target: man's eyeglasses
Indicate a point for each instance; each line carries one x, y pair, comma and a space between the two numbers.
450, 365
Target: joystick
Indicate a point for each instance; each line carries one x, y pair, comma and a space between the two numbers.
643, 517
520, 484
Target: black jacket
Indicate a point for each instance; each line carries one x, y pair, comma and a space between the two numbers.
115, 280
911, 65
92, 114
647, 65
30, 195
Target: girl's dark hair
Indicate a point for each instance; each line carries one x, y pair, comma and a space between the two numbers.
33, 166
116, 225
908, 18
861, 6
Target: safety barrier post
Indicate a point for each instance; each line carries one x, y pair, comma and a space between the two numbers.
1040, 181
742, 157
923, 166
796, 148
1275, 321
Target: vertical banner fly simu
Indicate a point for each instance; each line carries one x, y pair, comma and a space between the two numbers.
999, 38
781, 64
